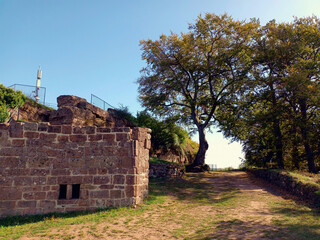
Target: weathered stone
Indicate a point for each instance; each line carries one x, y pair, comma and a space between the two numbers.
16, 130
18, 142
30, 126
39, 161
78, 138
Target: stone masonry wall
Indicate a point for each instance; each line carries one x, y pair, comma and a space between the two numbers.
56, 168
308, 192
166, 170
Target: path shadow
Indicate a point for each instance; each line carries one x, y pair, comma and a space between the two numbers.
194, 189
237, 229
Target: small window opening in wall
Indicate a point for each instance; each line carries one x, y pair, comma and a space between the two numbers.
75, 191
63, 191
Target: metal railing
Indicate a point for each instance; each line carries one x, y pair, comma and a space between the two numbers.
13, 113
213, 167
98, 102
30, 91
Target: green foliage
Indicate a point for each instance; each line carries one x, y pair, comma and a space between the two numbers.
3, 113
166, 135
191, 76
124, 113
277, 116
9, 99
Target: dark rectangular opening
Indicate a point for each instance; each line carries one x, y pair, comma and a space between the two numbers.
75, 191
63, 191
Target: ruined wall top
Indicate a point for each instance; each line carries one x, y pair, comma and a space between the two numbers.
73, 110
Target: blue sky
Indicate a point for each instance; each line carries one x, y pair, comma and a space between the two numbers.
87, 47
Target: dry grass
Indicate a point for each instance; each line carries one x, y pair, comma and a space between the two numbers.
220, 205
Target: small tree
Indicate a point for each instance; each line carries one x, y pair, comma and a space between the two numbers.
192, 75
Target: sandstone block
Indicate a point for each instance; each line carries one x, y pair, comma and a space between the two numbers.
130, 180
54, 129
22, 181
118, 179
69, 180
95, 137
34, 195
39, 172
8, 162
103, 130
52, 195
122, 137
4, 126
110, 138
16, 130
48, 204
26, 204
100, 194
29, 126
101, 179
66, 129
60, 172
39, 180
43, 127
6, 181
31, 135
7, 204
78, 138
63, 138
115, 194
10, 194
18, 142
79, 130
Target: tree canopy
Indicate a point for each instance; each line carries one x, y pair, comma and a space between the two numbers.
193, 74
277, 120
260, 84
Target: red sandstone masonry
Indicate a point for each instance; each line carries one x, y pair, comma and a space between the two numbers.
110, 164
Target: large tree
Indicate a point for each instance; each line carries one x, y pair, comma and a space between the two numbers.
192, 75
277, 119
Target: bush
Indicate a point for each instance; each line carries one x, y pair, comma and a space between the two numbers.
166, 135
3, 113
9, 99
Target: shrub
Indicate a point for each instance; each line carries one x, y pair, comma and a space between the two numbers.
3, 113
9, 99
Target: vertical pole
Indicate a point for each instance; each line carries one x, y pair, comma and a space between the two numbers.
44, 97
18, 113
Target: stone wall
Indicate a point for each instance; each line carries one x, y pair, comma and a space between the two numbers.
308, 192
166, 170
57, 168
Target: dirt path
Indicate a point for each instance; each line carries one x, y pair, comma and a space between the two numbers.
216, 205
252, 217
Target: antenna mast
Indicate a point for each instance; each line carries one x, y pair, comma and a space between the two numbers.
39, 76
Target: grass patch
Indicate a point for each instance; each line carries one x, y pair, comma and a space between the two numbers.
307, 178
199, 206
296, 221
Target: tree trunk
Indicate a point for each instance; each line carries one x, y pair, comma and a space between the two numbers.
277, 130
203, 147
278, 143
305, 138
295, 152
